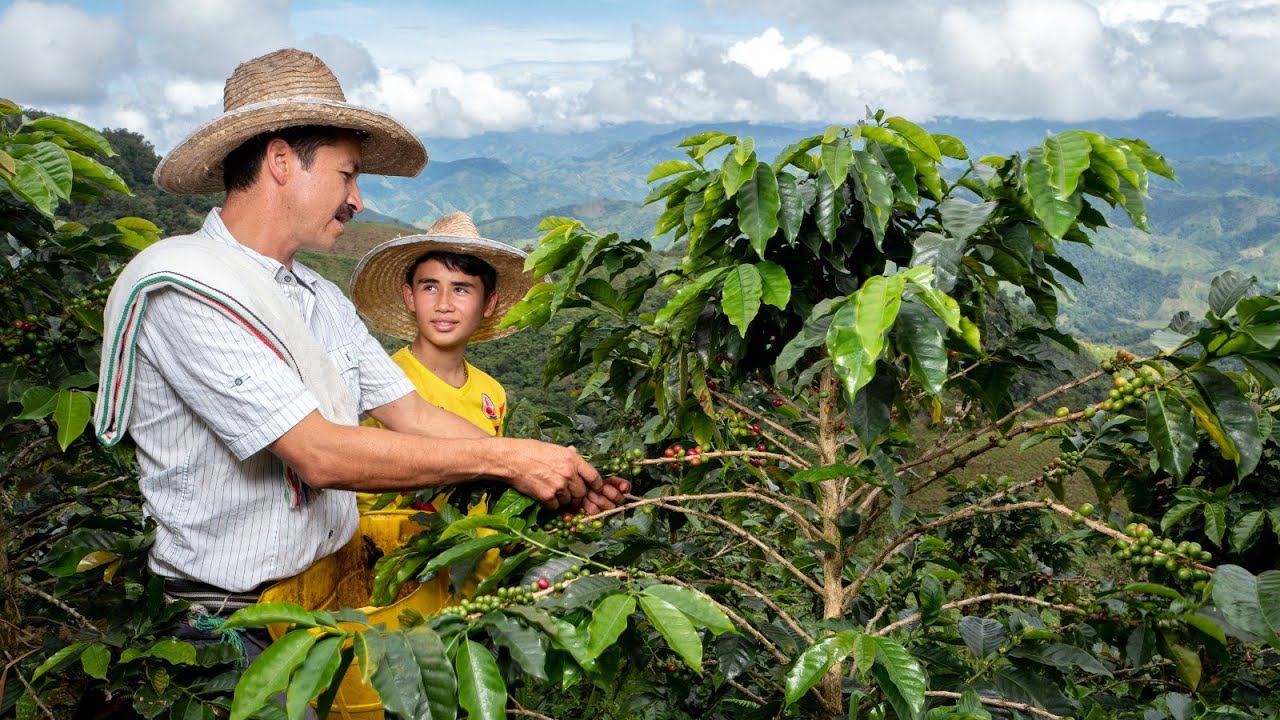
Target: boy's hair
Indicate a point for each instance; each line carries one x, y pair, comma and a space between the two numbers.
241, 166
457, 262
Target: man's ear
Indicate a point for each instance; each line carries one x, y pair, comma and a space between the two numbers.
406, 293
491, 304
278, 161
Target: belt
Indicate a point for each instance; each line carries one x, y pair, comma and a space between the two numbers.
214, 600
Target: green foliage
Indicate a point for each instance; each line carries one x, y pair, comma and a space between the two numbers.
795, 546
81, 623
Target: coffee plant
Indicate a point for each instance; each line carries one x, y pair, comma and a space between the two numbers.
799, 397
83, 628
802, 397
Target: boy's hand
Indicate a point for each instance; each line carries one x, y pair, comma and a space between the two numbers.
608, 497
554, 476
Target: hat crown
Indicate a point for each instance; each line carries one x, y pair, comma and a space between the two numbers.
280, 75
455, 224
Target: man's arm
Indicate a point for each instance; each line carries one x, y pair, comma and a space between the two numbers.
366, 459
414, 415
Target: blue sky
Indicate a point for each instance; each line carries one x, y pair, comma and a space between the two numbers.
454, 69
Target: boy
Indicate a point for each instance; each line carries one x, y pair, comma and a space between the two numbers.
442, 291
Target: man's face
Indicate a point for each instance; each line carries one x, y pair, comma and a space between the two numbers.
324, 197
449, 304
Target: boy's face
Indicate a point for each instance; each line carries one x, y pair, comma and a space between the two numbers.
449, 304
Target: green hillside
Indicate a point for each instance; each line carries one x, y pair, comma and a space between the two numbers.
625, 217
1216, 217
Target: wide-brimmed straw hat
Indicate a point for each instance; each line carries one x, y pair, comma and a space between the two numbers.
378, 277
286, 88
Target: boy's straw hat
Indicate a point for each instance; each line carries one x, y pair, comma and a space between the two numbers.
375, 286
286, 88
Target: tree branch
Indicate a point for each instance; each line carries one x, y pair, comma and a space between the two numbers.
63, 606
989, 597
1026, 427
789, 457
521, 711
781, 396
997, 702
962, 514
780, 428
796, 459
737, 619
35, 697
740, 532
742, 689
806, 527
764, 598
1116, 534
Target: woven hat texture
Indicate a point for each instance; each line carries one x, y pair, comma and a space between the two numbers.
378, 277
283, 89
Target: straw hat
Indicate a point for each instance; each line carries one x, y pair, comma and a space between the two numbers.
286, 88
378, 277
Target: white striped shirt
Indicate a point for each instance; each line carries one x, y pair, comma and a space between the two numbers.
209, 398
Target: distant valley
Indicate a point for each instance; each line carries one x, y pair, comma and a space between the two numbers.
1223, 213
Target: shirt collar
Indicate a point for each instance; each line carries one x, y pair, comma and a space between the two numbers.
216, 229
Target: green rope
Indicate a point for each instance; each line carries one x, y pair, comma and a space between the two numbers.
212, 623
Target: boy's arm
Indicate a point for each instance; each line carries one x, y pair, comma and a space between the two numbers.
411, 414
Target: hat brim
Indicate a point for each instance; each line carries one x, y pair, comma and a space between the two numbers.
194, 167
379, 276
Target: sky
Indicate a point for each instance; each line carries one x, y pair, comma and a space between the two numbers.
457, 69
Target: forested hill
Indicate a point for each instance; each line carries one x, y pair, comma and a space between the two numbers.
1222, 212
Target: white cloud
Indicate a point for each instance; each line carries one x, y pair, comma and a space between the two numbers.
756, 60
187, 95
761, 55
442, 99
58, 54
823, 63
206, 39
349, 60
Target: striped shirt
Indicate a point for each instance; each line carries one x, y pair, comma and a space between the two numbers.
209, 398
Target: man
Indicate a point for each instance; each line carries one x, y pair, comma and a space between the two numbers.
240, 373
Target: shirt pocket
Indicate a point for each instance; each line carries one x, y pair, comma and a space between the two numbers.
344, 361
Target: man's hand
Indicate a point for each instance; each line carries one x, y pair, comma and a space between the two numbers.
554, 476
608, 497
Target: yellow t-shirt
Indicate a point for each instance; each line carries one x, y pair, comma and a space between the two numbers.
481, 400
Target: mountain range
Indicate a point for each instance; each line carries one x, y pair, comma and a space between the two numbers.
1222, 213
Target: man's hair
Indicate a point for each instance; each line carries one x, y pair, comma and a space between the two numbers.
241, 166
457, 262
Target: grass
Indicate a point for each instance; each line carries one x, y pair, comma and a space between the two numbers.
1012, 461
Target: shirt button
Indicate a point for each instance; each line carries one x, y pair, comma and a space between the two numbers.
288, 278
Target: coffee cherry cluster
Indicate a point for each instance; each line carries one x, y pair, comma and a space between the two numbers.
30, 339
566, 526
624, 462
1129, 390
504, 597
1064, 465
692, 456
513, 595
1121, 359
738, 425
1163, 555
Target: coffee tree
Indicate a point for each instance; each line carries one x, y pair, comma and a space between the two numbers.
801, 397
83, 628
